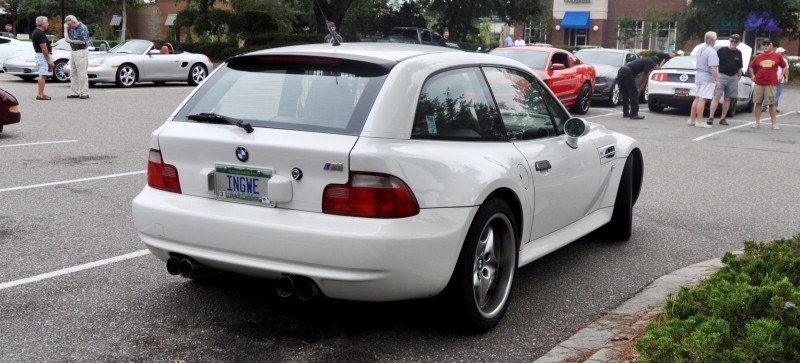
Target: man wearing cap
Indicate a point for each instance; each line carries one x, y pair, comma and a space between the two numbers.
730, 70
782, 78
332, 34
765, 66
519, 40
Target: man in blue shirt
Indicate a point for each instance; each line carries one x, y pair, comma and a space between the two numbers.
77, 35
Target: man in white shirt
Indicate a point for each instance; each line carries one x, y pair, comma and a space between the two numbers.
519, 40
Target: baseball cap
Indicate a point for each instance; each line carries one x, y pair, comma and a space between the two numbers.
766, 42
519, 35
780, 50
736, 37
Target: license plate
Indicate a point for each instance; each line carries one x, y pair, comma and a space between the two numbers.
682, 92
242, 185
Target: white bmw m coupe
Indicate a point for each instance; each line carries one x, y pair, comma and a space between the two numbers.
378, 172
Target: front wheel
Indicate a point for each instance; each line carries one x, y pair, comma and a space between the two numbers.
59, 75
584, 100
197, 74
482, 280
621, 225
126, 75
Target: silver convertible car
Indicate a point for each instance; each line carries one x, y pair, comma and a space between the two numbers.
138, 60
380, 171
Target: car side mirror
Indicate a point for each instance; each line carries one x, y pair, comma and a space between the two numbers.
575, 128
557, 67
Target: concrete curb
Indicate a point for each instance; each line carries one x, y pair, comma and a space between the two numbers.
603, 339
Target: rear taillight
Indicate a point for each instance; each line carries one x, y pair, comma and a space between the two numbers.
370, 195
162, 176
659, 77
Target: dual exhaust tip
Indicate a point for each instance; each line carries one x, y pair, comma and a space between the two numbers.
288, 285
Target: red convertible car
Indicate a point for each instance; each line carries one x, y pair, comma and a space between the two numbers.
569, 78
9, 114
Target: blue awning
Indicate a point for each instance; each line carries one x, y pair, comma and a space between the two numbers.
757, 21
575, 20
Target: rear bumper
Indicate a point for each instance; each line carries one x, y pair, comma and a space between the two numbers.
349, 258
672, 100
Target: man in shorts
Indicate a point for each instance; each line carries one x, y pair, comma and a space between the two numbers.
730, 71
765, 67
706, 79
43, 49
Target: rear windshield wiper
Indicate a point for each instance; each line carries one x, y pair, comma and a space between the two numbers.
213, 117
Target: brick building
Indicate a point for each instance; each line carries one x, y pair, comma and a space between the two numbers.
152, 21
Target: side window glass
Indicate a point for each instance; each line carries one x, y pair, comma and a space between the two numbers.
426, 36
456, 105
561, 58
525, 108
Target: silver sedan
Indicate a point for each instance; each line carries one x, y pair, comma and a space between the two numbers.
137, 60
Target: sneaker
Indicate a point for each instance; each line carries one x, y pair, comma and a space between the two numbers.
625, 115
775, 127
702, 125
690, 122
710, 121
83, 97
755, 125
637, 117
723, 122
73, 96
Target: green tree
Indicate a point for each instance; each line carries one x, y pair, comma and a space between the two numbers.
459, 15
701, 16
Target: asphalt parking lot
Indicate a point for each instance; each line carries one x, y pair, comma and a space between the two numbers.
76, 283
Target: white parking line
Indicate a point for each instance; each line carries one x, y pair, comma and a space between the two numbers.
767, 119
71, 181
613, 113
39, 143
69, 270
149, 89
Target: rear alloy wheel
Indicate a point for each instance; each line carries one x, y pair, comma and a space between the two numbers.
59, 75
481, 283
197, 74
126, 75
584, 100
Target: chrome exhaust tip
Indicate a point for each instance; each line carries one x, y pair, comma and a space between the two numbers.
306, 288
285, 286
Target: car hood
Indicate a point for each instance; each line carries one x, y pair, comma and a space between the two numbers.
604, 70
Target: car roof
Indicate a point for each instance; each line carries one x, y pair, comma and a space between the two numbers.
533, 48
604, 50
373, 52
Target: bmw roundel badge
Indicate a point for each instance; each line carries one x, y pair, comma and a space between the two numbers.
242, 154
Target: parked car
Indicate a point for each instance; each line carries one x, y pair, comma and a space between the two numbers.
137, 60
9, 109
23, 64
673, 84
607, 63
413, 35
567, 76
10, 46
377, 172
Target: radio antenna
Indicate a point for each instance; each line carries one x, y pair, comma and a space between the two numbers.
334, 39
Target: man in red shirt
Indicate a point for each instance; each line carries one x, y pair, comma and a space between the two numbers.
765, 67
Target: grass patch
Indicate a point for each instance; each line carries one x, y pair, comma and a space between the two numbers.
748, 311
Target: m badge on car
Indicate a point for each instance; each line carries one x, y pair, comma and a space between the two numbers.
242, 154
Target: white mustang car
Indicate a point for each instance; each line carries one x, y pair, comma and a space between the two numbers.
137, 60
377, 172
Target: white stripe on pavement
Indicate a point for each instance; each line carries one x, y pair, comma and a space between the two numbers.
768, 125
39, 143
71, 181
69, 270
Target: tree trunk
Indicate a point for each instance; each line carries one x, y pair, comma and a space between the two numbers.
124, 23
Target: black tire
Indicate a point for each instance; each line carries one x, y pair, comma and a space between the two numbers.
613, 98
653, 106
731, 109
621, 225
127, 75
197, 74
58, 71
584, 100
483, 277
750, 105
645, 92
27, 78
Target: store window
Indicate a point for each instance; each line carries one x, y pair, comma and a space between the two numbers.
630, 34
663, 36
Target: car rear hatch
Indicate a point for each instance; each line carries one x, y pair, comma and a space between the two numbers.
298, 118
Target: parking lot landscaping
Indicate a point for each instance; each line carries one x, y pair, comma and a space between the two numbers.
747, 311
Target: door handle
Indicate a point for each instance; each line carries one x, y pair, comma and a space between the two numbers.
543, 165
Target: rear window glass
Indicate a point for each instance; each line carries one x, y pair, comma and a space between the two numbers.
294, 93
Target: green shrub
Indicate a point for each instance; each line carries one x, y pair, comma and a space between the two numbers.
747, 311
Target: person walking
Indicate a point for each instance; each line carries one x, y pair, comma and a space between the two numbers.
628, 89
765, 66
706, 79
77, 35
783, 77
332, 34
43, 49
730, 71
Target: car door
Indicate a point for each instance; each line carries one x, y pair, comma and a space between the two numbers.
163, 67
565, 180
561, 81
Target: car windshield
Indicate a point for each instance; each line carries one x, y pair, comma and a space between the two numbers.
531, 58
134, 46
607, 58
685, 62
291, 92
